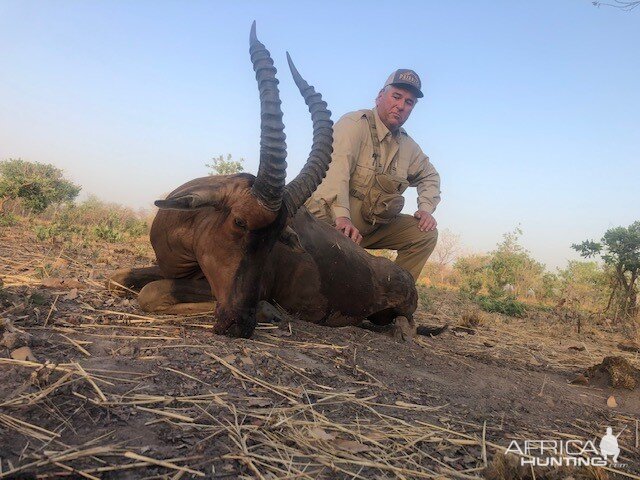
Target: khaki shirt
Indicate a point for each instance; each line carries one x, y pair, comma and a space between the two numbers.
352, 167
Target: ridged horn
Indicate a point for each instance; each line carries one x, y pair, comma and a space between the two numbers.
300, 188
269, 184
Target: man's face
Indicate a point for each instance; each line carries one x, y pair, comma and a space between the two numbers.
394, 106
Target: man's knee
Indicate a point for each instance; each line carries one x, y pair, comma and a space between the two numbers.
428, 238
427, 241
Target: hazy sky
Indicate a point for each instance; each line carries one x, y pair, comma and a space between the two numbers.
531, 110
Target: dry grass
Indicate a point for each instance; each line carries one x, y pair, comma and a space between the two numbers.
240, 409
472, 317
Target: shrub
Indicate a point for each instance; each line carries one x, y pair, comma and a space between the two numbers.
7, 220
108, 233
584, 285
94, 219
471, 317
220, 166
512, 264
471, 273
506, 305
620, 250
388, 254
52, 231
38, 185
424, 299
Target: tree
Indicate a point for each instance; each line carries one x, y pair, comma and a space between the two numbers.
583, 284
445, 253
38, 185
220, 166
509, 269
447, 248
620, 250
471, 271
512, 264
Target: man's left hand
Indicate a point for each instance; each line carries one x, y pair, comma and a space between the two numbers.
427, 222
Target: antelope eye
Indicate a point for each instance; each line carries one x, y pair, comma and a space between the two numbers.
240, 223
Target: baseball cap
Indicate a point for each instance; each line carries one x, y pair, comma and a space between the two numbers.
403, 77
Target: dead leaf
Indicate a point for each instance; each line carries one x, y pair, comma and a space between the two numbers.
259, 402
69, 283
247, 361
10, 339
321, 434
230, 358
23, 354
73, 294
611, 402
350, 446
377, 436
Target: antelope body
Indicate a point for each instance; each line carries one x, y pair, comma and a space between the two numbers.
237, 242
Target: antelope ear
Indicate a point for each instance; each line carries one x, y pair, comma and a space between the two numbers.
290, 238
186, 202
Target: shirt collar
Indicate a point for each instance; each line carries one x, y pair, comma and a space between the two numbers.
383, 131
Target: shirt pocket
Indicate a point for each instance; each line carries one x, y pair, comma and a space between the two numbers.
365, 168
363, 175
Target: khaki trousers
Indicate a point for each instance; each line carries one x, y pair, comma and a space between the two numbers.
402, 234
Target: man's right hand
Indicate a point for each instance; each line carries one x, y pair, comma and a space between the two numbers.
345, 226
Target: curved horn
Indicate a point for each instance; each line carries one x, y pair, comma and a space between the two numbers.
269, 184
300, 188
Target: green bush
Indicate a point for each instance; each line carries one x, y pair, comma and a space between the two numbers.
38, 185
470, 272
424, 298
220, 166
108, 233
620, 250
7, 220
93, 219
505, 305
509, 264
584, 285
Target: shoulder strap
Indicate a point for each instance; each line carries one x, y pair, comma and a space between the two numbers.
374, 139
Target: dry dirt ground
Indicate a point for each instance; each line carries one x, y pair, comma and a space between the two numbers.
114, 393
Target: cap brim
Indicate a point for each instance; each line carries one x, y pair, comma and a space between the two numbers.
411, 88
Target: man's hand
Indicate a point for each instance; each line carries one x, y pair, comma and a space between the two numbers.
427, 222
345, 226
